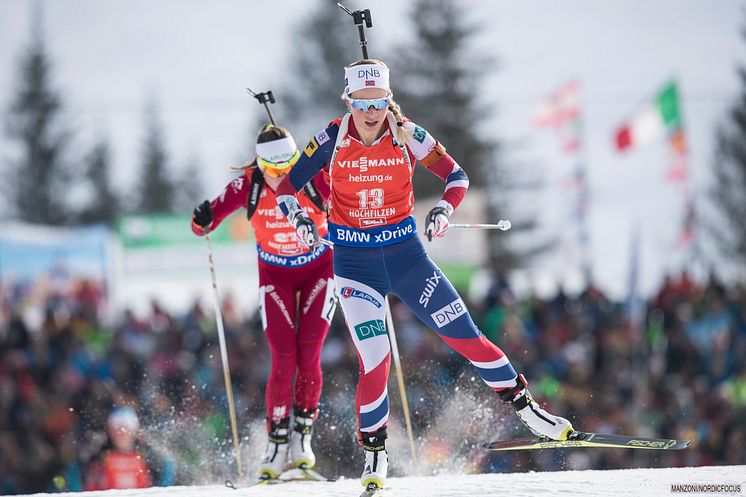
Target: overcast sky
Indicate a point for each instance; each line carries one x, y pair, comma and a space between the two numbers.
198, 57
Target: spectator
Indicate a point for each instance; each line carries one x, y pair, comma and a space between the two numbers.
119, 464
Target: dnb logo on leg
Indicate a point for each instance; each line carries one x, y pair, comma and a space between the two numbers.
449, 313
370, 329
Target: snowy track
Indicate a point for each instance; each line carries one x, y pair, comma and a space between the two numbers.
627, 482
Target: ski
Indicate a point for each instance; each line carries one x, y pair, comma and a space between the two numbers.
287, 476
372, 490
586, 439
255, 483
312, 475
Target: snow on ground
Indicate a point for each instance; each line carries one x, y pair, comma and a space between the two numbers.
626, 482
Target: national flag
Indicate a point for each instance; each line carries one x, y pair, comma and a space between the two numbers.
677, 171
561, 110
561, 106
661, 115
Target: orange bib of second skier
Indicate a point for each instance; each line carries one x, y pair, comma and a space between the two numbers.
276, 240
371, 186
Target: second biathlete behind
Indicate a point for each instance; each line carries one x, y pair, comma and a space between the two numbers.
296, 294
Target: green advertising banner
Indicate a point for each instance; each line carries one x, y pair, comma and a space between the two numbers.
163, 230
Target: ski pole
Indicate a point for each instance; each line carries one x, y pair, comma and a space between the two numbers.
224, 358
503, 225
400, 380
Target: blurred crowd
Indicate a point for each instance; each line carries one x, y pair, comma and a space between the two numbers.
675, 369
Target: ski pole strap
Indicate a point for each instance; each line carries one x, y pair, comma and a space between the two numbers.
314, 196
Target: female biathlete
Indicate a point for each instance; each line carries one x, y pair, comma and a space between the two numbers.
369, 155
296, 293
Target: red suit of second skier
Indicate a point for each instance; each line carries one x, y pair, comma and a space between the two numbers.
295, 286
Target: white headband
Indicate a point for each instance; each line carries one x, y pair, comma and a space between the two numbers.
277, 151
366, 76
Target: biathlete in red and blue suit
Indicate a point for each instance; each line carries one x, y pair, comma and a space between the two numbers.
370, 155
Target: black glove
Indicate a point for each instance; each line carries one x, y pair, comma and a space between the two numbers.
436, 223
305, 228
202, 216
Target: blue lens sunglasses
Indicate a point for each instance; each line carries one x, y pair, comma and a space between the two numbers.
376, 103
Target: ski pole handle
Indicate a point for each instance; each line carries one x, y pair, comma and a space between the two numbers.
503, 225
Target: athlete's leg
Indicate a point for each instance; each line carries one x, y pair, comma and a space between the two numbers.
315, 310
277, 301
427, 292
361, 287
421, 285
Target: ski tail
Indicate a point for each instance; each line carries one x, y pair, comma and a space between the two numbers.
588, 439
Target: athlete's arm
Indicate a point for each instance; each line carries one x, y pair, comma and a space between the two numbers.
234, 195
315, 157
432, 154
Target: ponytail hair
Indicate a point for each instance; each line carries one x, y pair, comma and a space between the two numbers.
403, 134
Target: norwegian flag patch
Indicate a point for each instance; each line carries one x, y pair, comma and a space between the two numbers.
370, 82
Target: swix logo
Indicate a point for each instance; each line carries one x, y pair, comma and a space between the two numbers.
363, 163
349, 292
449, 313
368, 73
431, 284
370, 82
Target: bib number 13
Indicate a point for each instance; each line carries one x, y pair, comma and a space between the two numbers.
371, 199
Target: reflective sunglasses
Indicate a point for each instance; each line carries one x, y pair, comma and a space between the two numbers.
364, 105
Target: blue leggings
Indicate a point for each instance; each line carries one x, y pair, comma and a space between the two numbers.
363, 277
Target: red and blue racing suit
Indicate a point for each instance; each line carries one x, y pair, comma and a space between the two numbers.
377, 252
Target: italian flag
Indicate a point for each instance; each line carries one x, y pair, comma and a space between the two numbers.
660, 116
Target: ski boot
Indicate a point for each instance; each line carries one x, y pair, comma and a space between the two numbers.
276, 454
376, 460
301, 453
536, 419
